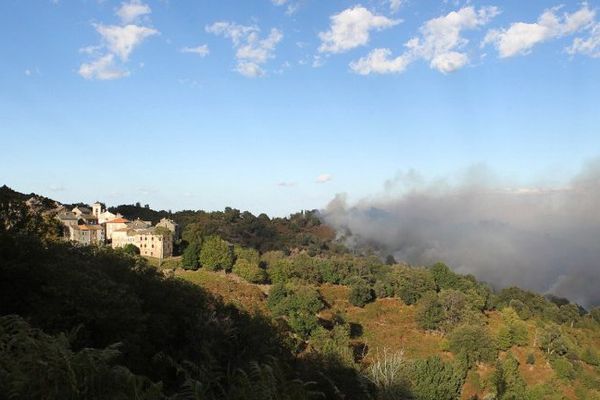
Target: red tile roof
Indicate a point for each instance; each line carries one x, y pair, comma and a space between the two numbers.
117, 221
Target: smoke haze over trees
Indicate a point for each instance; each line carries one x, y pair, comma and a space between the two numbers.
543, 238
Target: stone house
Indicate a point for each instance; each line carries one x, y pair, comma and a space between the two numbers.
113, 225
149, 242
87, 234
172, 226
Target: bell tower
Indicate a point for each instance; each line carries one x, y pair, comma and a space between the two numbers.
96, 209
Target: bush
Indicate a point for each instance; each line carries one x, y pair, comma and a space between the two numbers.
360, 294
270, 257
553, 341
298, 304
473, 342
520, 308
216, 254
590, 356
433, 379
508, 381
563, 368
248, 254
514, 331
429, 313
410, 284
334, 345
383, 288
249, 271
280, 271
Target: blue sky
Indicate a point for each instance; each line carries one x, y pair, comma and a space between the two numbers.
278, 105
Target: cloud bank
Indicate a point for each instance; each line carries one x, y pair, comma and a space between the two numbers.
540, 238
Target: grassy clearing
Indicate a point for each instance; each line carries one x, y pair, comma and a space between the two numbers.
385, 324
244, 295
167, 263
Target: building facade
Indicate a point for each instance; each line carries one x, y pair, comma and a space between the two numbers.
114, 225
150, 243
87, 235
172, 226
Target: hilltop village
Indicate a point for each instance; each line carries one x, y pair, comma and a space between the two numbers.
97, 226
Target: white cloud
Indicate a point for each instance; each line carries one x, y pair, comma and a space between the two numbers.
351, 28
249, 69
102, 68
28, 72
379, 62
439, 43
231, 30
521, 37
251, 51
323, 178
291, 8
395, 5
117, 41
589, 46
441, 37
259, 51
201, 50
132, 11
122, 40
449, 61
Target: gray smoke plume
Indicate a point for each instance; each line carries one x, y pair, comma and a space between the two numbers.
543, 239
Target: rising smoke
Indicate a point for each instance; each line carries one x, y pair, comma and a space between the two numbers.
540, 238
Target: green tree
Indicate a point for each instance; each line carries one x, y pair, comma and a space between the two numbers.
513, 332
191, 255
454, 304
553, 341
508, 382
298, 304
429, 313
131, 249
248, 254
444, 277
433, 379
568, 314
360, 294
216, 254
410, 284
249, 271
473, 342
595, 314
333, 345
521, 309
281, 270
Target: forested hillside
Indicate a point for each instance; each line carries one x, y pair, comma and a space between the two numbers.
260, 308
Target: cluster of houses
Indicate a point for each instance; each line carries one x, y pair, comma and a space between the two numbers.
96, 226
